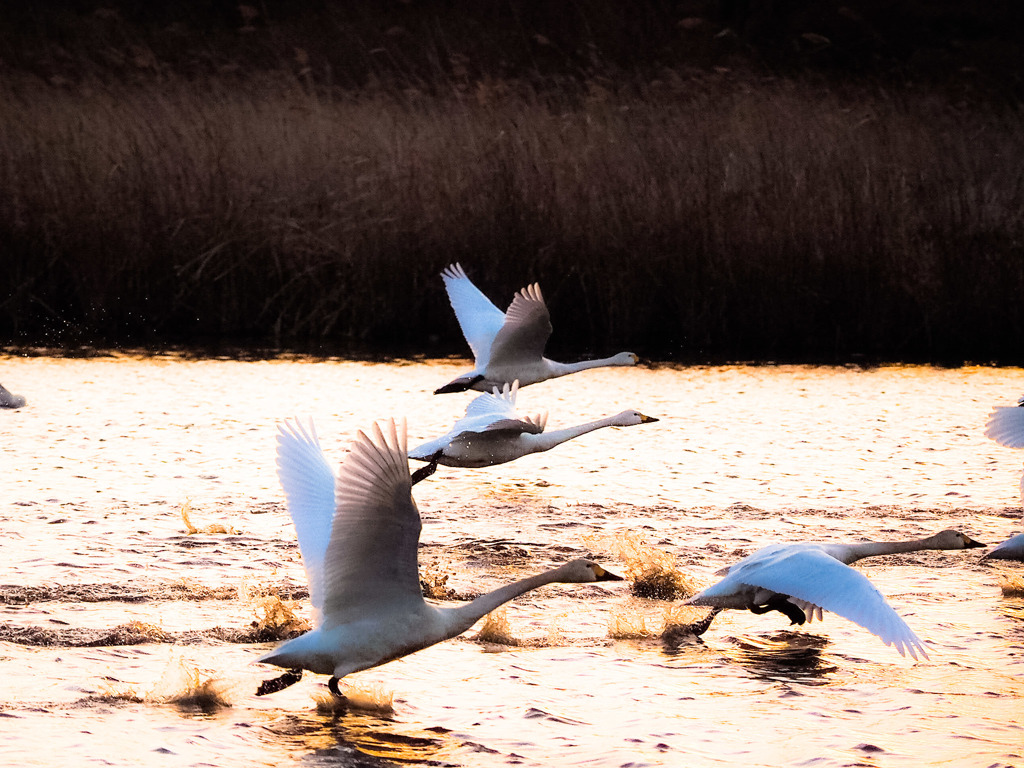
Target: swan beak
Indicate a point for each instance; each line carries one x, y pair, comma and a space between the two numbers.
600, 574
647, 419
970, 543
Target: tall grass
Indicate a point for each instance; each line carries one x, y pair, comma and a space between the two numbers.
681, 218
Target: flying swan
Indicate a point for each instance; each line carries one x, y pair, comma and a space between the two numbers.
801, 580
358, 535
492, 432
507, 345
1006, 426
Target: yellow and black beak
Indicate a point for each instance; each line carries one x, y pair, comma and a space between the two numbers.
647, 419
601, 574
970, 543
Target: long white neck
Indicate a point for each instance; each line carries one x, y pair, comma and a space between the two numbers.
563, 369
547, 440
854, 552
465, 616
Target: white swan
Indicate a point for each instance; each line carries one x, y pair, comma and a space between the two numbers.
1006, 425
358, 536
800, 580
508, 345
492, 432
1011, 549
8, 400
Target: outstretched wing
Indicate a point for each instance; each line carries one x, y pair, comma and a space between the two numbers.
811, 575
308, 485
495, 411
1006, 426
525, 331
479, 319
371, 558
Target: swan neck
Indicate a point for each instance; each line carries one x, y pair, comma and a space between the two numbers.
558, 436
467, 615
562, 369
875, 548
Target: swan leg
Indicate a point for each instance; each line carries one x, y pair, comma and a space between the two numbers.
291, 677
459, 385
424, 472
781, 604
332, 686
672, 636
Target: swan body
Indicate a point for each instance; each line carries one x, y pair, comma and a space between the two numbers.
492, 432
9, 400
358, 535
1011, 549
803, 579
508, 345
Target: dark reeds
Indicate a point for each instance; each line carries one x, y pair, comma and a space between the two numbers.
683, 217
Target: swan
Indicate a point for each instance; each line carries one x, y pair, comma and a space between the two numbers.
1011, 549
507, 345
1006, 425
8, 400
492, 432
803, 579
358, 535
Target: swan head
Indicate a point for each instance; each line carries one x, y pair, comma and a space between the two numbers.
950, 539
629, 418
625, 358
582, 571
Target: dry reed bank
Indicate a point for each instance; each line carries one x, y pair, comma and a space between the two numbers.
682, 214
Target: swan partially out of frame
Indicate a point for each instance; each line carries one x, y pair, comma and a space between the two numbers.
358, 535
1011, 549
493, 432
1006, 426
801, 580
9, 400
508, 345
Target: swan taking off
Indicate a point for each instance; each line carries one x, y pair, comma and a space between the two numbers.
508, 345
358, 536
1011, 549
1006, 425
8, 400
492, 432
800, 580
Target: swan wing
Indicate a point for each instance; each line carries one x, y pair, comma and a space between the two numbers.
479, 319
525, 331
495, 411
1006, 426
371, 557
813, 576
308, 485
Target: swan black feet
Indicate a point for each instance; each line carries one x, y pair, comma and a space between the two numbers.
291, 677
781, 604
675, 634
424, 472
332, 686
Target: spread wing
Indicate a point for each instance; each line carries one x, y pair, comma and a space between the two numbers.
1006, 426
495, 411
308, 485
371, 558
812, 576
525, 331
479, 319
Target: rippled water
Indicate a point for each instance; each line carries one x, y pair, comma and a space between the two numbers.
96, 468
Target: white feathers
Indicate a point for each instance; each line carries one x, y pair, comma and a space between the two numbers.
1006, 426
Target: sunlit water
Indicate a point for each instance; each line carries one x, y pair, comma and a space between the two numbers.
95, 469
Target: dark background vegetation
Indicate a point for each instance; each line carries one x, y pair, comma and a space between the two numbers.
740, 179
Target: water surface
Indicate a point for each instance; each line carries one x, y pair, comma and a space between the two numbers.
98, 465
